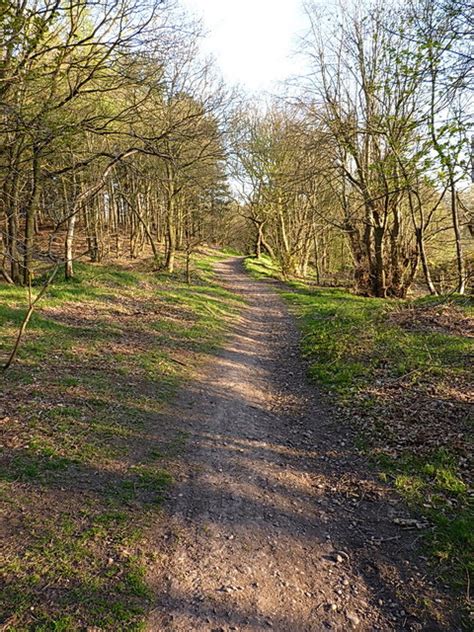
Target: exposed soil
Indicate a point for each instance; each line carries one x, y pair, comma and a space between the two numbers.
275, 521
443, 318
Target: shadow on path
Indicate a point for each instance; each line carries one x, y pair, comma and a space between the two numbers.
275, 522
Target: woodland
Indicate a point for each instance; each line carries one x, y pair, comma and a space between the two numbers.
130, 172
117, 137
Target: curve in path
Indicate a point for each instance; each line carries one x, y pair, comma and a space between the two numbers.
275, 522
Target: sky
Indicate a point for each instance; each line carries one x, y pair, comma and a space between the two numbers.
252, 40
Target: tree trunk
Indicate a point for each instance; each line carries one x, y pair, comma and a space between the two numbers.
30, 219
12, 245
68, 268
170, 239
267, 246
258, 241
461, 287
424, 261
379, 273
396, 264
10, 196
317, 266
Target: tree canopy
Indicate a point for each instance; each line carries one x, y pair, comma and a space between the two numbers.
116, 130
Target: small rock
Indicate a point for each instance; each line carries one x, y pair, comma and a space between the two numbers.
342, 556
353, 618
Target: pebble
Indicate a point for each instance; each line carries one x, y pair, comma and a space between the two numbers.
342, 556
353, 618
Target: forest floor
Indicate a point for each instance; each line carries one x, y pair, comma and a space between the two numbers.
167, 461
82, 472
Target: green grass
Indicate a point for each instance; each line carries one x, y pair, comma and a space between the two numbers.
358, 352
87, 461
262, 268
433, 485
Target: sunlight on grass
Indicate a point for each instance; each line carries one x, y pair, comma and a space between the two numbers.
87, 453
353, 348
261, 268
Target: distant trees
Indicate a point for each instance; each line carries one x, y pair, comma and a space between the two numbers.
443, 35
279, 165
371, 152
57, 58
116, 137
108, 120
389, 93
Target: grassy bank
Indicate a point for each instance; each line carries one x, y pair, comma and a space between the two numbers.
81, 471
400, 371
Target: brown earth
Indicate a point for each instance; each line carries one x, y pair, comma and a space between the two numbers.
442, 318
276, 522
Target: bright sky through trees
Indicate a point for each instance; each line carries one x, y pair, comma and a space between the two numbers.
252, 40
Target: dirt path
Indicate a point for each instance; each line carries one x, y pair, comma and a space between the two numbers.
275, 523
